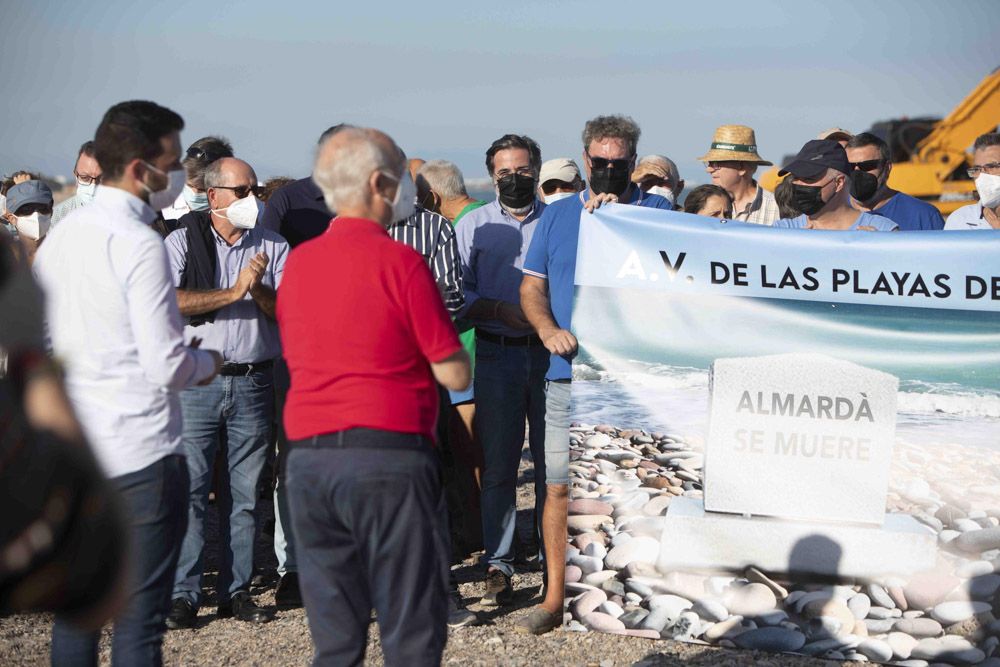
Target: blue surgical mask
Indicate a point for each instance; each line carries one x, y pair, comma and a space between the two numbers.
85, 193
198, 201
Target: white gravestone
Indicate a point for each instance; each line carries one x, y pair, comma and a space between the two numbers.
800, 436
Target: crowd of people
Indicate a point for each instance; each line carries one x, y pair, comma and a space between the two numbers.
382, 337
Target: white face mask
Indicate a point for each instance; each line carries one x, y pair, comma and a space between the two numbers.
85, 193
556, 196
988, 186
161, 199
34, 226
405, 200
666, 193
242, 213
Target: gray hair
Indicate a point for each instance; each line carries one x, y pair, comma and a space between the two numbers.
444, 178
612, 127
342, 171
664, 162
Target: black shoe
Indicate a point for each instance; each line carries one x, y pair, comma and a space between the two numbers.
287, 595
243, 608
182, 615
498, 589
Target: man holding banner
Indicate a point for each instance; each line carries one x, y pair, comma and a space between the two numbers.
822, 163
609, 153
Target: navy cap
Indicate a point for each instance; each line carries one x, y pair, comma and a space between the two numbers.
815, 158
29, 192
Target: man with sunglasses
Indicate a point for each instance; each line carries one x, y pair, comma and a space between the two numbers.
88, 176
226, 269
985, 171
731, 161
871, 164
609, 152
199, 155
821, 190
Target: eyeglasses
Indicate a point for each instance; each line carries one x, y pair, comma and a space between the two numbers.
867, 165
604, 163
240, 191
202, 155
714, 165
989, 168
83, 179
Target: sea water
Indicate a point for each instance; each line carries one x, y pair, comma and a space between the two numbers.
645, 358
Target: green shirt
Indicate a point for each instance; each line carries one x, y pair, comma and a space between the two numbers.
466, 331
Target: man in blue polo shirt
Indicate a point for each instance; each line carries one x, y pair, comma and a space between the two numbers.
871, 164
609, 150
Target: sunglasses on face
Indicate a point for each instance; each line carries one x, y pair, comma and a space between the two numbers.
604, 163
240, 191
867, 165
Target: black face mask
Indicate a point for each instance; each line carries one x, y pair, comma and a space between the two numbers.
516, 190
611, 181
808, 198
863, 185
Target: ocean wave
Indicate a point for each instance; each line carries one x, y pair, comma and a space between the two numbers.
658, 384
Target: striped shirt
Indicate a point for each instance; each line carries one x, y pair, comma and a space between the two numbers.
434, 238
763, 210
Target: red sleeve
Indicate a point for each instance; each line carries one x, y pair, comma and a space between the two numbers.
429, 320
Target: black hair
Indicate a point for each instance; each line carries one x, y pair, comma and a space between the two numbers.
86, 149
130, 131
986, 140
868, 139
515, 141
696, 198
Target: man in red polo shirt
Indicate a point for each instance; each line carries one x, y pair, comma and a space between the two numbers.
366, 335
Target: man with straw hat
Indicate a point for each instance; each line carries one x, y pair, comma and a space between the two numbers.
731, 162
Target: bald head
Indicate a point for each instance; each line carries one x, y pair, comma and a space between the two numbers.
226, 179
356, 168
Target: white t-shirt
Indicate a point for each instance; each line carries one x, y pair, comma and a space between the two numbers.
967, 217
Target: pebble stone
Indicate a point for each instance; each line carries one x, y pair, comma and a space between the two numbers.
771, 639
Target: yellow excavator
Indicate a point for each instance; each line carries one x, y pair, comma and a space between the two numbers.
929, 155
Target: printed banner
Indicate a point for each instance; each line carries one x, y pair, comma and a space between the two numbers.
787, 440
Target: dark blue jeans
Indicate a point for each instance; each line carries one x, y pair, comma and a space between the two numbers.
242, 407
510, 387
371, 530
155, 501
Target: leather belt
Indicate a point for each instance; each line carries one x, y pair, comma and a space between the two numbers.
245, 369
529, 340
368, 438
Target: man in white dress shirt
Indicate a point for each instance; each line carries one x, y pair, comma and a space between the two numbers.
114, 323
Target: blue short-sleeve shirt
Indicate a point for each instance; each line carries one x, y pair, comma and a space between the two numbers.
910, 213
865, 219
552, 256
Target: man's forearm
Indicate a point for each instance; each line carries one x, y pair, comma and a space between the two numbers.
265, 297
484, 309
198, 302
535, 304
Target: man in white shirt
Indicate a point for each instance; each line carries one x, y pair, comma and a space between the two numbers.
985, 170
113, 321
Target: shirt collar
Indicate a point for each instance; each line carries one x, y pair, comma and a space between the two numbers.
535, 212
758, 201
125, 202
244, 237
352, 225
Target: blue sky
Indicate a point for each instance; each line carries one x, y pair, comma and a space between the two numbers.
446, 78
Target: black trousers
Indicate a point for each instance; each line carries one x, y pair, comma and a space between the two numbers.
370, 530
